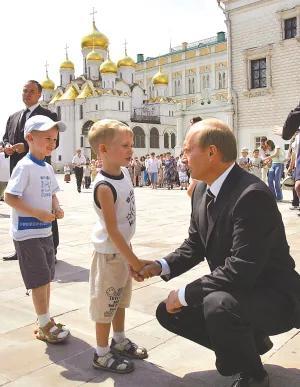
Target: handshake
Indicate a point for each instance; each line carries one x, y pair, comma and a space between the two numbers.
145, 269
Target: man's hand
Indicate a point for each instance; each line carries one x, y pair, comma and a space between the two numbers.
173, 304
59, 213
44, 216
297, 187
9, 149
19, 148
151, 269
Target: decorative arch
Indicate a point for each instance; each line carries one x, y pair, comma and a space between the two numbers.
173, 140
86, 127
138, 137
154, 138
166, 141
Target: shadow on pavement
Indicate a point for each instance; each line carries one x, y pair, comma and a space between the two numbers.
79, 367
66, 272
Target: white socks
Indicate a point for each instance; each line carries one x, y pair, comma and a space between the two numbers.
119, 337
102, 351
43, 319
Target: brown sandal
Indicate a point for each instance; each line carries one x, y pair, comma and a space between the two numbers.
52, 333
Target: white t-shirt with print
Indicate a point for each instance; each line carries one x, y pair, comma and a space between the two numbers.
35, 182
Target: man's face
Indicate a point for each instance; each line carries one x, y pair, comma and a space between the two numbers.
30, 94
195, 157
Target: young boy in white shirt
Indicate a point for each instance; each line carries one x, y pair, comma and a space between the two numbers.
110, 279
31, 194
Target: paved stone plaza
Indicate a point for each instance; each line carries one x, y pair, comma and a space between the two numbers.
162, 221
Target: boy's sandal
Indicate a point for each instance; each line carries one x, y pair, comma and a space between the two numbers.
51, 333
113, 363
59, 325
129, 349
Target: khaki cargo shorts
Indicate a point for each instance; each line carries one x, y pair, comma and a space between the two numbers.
110, 286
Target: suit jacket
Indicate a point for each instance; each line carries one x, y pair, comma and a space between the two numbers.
13, 129
245, 244
290, 126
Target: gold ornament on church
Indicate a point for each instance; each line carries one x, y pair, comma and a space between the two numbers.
95, 39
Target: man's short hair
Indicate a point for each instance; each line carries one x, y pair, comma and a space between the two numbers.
263, 138
104, 131
216, 132
195, 119
38, 85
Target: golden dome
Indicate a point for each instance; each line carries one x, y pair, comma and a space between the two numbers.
48, 84
67, 64
93, 55
95, 39
126, 61
56, 97
160, 78
85, 92
70, 94
108, 67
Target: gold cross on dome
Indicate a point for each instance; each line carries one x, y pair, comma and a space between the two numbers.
66, 49
93, 13
47, 65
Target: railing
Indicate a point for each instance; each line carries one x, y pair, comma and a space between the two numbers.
143, 118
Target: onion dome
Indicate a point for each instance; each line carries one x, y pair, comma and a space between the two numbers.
95, 39
56, 97
93, 55
160, 78
108, 67
47, 84
67, 64
126, 61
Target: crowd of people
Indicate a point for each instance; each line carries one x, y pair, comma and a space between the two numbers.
252, 290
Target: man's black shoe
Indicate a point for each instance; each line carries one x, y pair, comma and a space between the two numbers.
11, 257
264, 345
246, 381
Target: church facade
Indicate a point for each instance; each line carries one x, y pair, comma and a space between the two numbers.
156, 97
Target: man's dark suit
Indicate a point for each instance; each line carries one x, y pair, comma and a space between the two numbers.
252, 290
290, 126
15, 134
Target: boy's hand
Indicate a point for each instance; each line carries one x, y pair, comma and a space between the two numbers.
9, 149
59, 213
44, 216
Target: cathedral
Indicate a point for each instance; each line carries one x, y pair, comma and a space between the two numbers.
156, 97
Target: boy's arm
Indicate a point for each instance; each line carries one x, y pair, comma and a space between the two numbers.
56, 209
20, 205
105, 198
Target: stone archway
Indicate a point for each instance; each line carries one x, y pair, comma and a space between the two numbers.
84, 132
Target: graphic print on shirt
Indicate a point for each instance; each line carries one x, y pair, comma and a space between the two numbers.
131, 214
114, 298
45, 186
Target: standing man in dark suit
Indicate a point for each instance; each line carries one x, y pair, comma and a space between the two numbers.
290, 127
15, 146
252, 290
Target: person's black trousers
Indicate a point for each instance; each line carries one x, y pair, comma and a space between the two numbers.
79, 175
295, 202
233, 326
55, 235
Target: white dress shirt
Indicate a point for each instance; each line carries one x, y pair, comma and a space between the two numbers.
215, 189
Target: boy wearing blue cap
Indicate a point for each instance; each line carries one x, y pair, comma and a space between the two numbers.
31, 194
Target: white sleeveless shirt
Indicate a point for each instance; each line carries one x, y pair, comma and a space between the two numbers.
123, 193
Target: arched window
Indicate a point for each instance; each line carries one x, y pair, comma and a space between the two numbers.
166, 140
86, 127
173, 140
138, 137
207, 81
154, 138
220, 81
224, 80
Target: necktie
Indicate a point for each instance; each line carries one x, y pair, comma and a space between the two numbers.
209, 202
23, 119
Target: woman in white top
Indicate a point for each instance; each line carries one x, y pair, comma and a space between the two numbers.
275, 172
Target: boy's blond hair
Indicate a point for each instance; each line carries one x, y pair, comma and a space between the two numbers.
104, 131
